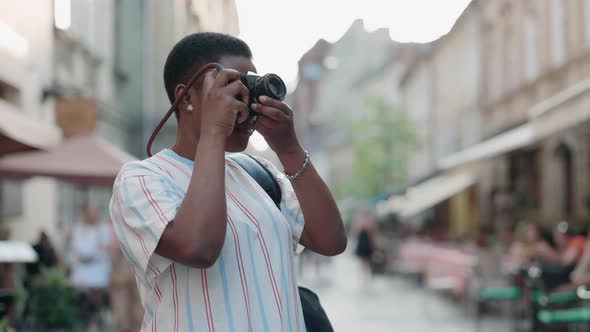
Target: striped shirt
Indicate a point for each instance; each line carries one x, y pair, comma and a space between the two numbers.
251, 287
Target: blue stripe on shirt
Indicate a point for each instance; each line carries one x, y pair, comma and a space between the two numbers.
189, 308
255, 277
128, 200
274, 221
290, 213
225, 284
126, 247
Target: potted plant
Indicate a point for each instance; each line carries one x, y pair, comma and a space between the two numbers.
53, 304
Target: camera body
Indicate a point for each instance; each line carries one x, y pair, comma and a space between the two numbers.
270, 85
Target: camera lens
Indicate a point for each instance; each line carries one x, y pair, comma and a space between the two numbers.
273, 86
276, 87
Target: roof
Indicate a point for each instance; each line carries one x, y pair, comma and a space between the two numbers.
84, 160
19, 132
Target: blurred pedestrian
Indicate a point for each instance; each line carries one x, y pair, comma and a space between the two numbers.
560, 260
90, 241
47, 258
365, 231
568, 248
125, 301
521, 251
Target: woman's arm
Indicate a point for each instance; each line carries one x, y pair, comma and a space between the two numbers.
197, 234
324, 230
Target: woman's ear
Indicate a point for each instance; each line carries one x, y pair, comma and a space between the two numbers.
185, 101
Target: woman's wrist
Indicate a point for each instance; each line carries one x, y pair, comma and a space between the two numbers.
292, 160
212, 141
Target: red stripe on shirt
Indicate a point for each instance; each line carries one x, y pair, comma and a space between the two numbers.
245, 290
173, 164
157, 290
207, 301
136, 176
174, 296
264, 252
139, 237
152, 201
165, 170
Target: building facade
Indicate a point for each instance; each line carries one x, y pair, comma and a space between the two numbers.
90, 67
27, 121
533, 52
441, 92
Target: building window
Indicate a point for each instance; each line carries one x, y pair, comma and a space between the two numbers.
531, 49
558, 37
13, 42
62, 14
11, 199
510, 60
586, 10
91, 25
9, 93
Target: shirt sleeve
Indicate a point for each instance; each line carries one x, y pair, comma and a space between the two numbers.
141, 207
290, 207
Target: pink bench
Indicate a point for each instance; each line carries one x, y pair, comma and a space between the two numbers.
443, 268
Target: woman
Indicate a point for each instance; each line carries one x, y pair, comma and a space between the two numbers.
365, 231
90, 241
210, 249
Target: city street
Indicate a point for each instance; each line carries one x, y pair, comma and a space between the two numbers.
389, 304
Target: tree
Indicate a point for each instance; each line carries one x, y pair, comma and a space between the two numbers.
382, 142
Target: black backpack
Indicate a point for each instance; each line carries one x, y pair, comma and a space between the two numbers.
314, 315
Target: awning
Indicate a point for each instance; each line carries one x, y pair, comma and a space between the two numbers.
513, 139
567, 109
434, 191
19, 132
564, 110
17, 252
83, 160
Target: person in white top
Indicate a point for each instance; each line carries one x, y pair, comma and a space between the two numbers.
210, 249
89, 243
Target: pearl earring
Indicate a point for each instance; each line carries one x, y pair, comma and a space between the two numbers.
189, 108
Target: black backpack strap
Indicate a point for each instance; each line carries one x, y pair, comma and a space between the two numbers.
261, 174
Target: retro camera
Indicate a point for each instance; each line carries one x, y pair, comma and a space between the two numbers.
270, 85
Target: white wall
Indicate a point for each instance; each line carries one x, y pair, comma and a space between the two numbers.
418, 105
456, 61
29, 72
40, 203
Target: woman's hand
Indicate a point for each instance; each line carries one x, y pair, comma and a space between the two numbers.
219, 107
275, 124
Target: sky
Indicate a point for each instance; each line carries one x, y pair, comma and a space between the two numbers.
279, 32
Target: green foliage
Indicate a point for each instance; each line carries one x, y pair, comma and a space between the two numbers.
54, 302
382, 142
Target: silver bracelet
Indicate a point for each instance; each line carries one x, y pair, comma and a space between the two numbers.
301, 170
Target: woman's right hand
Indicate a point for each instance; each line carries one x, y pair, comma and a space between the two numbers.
219, 106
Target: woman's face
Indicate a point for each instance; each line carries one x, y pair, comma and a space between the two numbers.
238, 140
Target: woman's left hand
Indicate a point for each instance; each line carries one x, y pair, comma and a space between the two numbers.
275, 124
